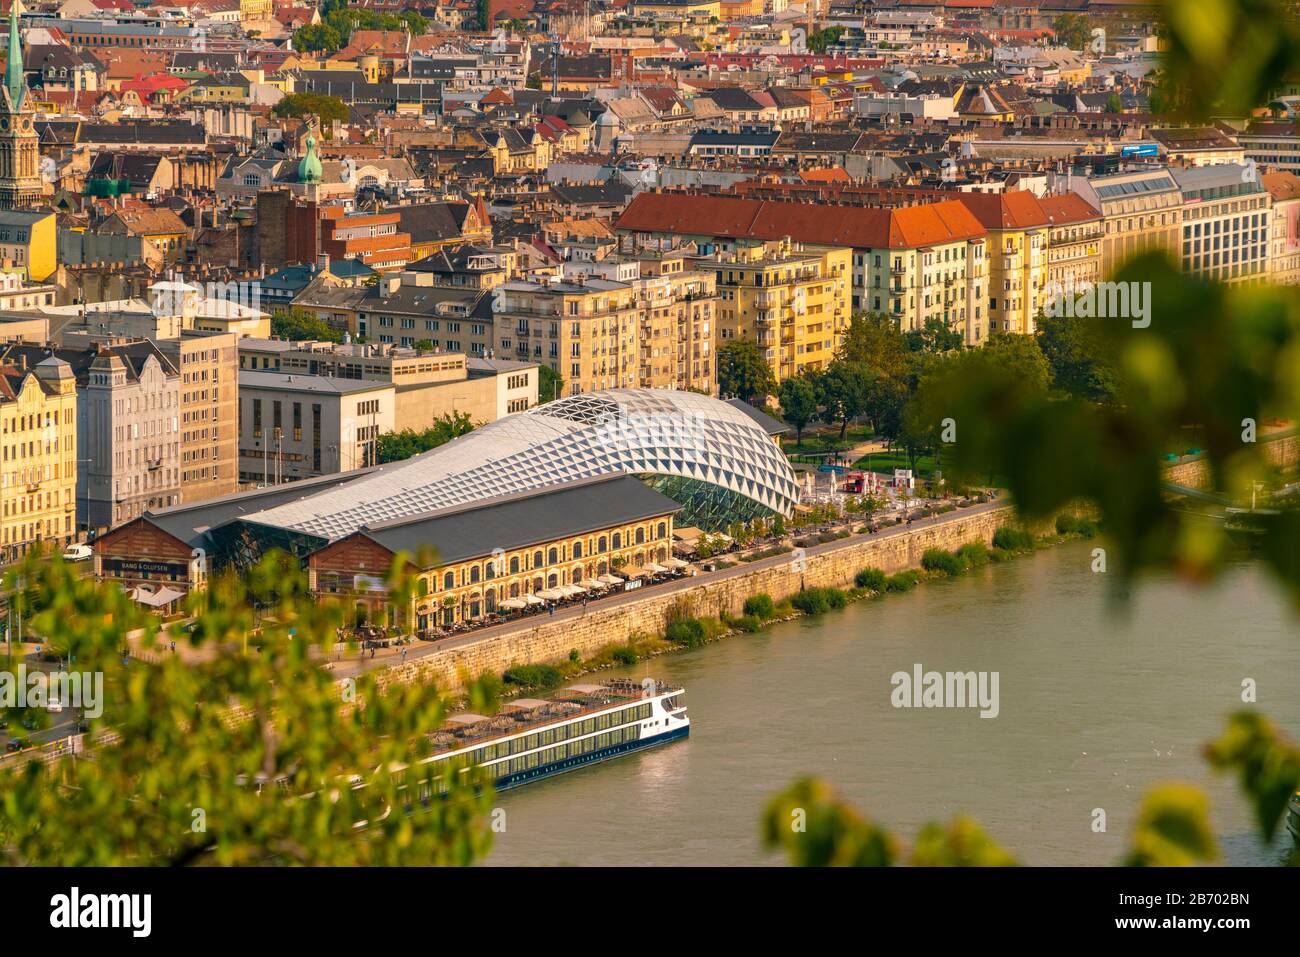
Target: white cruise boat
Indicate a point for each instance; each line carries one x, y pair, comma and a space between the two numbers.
533, 738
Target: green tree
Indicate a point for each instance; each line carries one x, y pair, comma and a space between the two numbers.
1114, 104
1072, 30
798, 398
1077, 353
549, 384
317, 38
874, 338
743, 372
326, 109
935, 336
845, 391
192, 737
397, 446
823, 39
299, 324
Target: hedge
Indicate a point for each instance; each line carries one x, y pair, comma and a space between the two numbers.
760, 605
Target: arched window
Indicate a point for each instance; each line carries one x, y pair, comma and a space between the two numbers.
601, 544
552, 580
537, 559
473, 574
514, 564
577, 573
661, 530
449, 580
552, 556
618, 539
640, 535
424, 586
577, 549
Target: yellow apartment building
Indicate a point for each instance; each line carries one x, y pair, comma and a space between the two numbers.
38, 456
792, 300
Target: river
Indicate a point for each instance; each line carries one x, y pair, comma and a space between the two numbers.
1096, 704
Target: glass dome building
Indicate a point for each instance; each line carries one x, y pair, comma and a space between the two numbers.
717, 459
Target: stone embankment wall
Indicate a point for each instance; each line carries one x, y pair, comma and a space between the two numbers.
833, 564
1282, 449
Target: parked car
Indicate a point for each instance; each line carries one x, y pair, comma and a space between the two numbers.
78, 553
54, 704
15, 744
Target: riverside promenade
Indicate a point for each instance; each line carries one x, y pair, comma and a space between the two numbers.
546, 638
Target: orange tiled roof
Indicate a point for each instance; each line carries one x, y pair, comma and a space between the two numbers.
860, 227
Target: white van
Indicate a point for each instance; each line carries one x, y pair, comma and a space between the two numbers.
78, 553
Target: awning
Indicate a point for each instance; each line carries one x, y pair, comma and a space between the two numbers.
573, 590
654, 569
610, 579
686, 533
513, 604
550, 594
676, 563
533, 600
634, 571
163, 596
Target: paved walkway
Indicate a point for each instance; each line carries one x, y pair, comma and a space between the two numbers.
422, 649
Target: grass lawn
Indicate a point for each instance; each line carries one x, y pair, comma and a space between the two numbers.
825, 439
888, 461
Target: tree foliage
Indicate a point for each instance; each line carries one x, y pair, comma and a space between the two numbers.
327, 109
799, 405
339, 22
299, 325
397, 446
192, 736
743, 371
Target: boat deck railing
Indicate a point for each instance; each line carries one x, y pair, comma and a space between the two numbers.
618, 691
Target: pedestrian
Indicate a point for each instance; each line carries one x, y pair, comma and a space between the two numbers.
403, 655
372, 652
173, 646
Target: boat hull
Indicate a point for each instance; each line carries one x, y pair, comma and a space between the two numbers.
509, 781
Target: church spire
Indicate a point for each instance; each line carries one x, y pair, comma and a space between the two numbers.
14, 81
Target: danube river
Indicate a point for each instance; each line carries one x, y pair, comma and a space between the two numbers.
1096, 704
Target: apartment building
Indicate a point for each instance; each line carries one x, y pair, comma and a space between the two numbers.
679, 306
1017, 258
1272, 144
374, 238
1141, 211
406, 308
927, 263
587, 330
428, 384
294, 426
38, 454
1284, 230
1075, 234
209, 412
915, 262
792, 300
128, 433
1226, 223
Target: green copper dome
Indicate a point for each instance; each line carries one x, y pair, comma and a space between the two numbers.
309, 170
